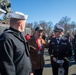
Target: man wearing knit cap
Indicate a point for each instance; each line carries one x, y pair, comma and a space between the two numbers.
60, 52
14, 53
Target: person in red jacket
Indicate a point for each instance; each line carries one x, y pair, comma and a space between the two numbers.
27, 37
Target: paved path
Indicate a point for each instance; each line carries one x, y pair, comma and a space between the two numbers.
48, 70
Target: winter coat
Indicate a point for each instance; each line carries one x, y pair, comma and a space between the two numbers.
14, 54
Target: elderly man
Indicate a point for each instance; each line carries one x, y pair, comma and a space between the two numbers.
14, 53
60, 51
37, 50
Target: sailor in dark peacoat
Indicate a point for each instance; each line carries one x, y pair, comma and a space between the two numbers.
14, 54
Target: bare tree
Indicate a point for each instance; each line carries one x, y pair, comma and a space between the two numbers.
65, 22
73, 27
47, 26
35, 25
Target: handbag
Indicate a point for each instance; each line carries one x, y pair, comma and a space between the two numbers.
61, 71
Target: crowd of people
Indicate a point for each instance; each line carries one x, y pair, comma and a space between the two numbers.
24, 55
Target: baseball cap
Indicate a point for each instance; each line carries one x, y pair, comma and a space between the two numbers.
39, 28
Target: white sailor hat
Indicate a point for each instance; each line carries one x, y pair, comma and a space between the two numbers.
18, 15
58, 28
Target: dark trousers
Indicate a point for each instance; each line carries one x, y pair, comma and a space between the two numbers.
75, 55
55, 67
38, 71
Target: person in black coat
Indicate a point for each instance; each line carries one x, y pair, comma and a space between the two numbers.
74, 46
14, 53
60, 51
